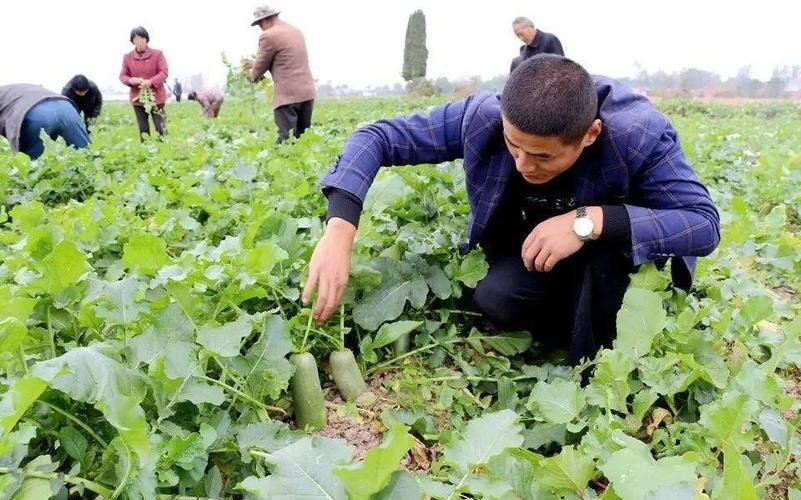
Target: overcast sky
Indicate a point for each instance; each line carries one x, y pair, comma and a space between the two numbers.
360, 42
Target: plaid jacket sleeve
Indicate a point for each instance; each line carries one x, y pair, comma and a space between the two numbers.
423, 138
674, 214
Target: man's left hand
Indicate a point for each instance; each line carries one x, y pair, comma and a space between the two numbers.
554, 240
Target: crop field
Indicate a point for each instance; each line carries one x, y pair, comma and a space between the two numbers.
151, 326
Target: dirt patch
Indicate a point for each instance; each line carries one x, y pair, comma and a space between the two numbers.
359, 425
786, 477
785, 292
421, 457
362, 428
792, 388
363, 431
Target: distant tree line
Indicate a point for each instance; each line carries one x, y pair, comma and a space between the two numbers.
785, 81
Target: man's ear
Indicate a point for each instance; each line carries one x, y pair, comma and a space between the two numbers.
592, 133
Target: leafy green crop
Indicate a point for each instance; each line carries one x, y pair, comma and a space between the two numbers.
149, 304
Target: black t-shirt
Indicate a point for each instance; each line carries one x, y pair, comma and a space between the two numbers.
525, 205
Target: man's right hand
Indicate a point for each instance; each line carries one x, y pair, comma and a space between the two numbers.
329, 268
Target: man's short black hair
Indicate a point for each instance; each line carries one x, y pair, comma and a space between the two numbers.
139, 30
80, 83
550, 95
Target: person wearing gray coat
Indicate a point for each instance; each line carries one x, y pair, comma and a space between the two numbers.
26, 110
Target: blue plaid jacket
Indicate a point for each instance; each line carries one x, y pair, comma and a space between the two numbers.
637, 161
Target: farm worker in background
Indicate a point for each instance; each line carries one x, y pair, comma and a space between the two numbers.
26, 110
177, 90
145, 68
536, 41
211, 100
282, 52
86, 96
573, 181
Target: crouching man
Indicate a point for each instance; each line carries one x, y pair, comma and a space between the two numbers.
573, 181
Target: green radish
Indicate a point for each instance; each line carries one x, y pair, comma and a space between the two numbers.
307, 393
401, 344
347, 375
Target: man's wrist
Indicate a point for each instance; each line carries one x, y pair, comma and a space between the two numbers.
580, 226
343, 205
340, 226
596, 214
617, 226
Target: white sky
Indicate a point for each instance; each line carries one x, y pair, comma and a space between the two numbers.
360, 42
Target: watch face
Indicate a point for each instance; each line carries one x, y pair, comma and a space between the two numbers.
583, 227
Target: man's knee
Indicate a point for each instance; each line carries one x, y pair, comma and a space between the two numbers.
33, 147
499, 302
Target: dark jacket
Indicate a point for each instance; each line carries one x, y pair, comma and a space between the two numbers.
15, 102
543, 43
89, 104
637, 162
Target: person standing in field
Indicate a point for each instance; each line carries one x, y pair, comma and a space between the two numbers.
536, 41
145, 69
26, 110
177, 90
211, 100
573, 181
282, 52
86, 96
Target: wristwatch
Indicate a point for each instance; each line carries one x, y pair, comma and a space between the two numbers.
582, 225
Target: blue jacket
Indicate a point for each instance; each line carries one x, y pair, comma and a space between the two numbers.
637, 161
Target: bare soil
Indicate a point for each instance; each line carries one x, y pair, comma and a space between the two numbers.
364, 431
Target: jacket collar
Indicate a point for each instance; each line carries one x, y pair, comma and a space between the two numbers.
142, 55
536, 42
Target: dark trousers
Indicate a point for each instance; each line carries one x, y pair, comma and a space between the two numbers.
573, 307
58, 118
296, 116
159, 120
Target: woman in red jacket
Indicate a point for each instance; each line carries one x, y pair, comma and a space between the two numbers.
146, 68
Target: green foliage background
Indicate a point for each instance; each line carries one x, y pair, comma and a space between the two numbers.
149, 300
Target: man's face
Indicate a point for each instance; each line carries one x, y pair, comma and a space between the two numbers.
524, 32
81, 92
540, 159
